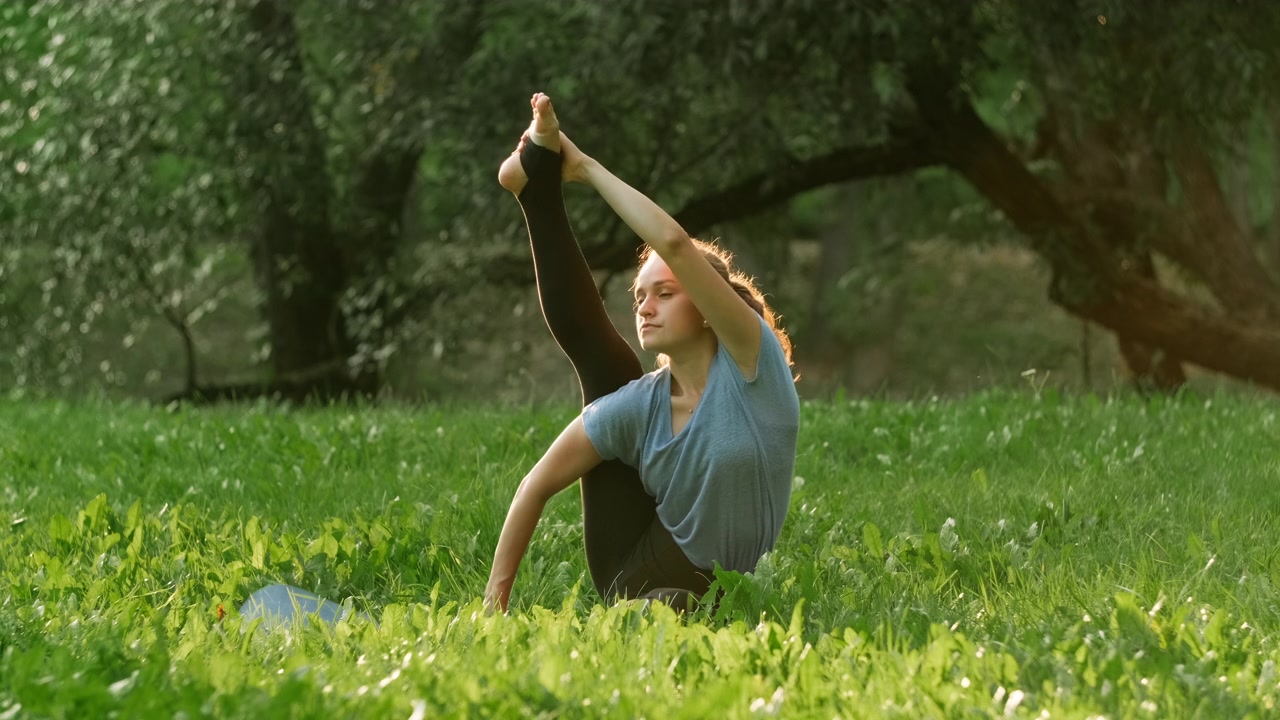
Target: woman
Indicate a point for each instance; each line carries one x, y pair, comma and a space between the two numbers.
684, 467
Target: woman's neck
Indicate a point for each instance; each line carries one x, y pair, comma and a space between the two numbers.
690, 369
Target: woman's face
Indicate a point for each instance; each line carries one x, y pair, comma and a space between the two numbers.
666, 318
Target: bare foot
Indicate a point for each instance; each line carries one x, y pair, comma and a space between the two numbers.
544, 130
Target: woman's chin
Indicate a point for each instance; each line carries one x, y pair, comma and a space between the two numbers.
650, 346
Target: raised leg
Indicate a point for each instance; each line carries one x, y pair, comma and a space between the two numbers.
616, 509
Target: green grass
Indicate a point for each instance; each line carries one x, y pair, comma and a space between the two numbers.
1008, 554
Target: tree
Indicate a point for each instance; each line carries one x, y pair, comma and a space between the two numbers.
223, 124
1132, 172
335, 159
1109, 159
106, 205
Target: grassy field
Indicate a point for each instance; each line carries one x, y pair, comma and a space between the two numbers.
1023, 555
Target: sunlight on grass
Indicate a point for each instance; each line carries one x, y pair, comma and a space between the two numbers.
1007, 554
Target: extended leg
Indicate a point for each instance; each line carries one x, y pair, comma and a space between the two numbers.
567, 294
629, 552
616, 509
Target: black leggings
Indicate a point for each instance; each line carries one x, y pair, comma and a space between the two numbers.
629, 552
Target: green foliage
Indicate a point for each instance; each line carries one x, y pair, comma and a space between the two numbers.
1009, 554
1193, 68
139, 166
119, 200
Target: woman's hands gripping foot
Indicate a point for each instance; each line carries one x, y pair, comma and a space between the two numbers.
544, 131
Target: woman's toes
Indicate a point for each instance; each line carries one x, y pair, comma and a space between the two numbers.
545, 129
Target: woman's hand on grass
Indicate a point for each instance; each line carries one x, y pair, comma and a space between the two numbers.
497, 595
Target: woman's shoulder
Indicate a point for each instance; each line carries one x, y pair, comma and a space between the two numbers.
615, 422
634, 391
771, 364
647, 381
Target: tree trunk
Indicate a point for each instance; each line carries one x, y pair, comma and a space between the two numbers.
1274, 234
1152, 369
1100, 164
830, 354
1104, 162
825, 351
1215, 244
297, 257
1092, 278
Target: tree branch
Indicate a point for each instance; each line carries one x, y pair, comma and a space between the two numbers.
767, 189
171, 313
777, 185
745, 198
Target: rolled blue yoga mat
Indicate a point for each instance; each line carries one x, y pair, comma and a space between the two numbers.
285, 604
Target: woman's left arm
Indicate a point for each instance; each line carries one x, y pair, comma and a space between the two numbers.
568, 458
736, 325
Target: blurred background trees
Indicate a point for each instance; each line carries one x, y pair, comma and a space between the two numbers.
214, 198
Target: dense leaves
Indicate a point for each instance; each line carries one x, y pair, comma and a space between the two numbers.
298, 188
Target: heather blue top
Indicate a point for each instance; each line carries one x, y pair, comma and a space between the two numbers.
724, 482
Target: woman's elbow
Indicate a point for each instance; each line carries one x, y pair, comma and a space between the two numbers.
671, 241
531, 491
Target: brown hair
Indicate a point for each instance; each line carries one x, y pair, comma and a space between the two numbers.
722, 261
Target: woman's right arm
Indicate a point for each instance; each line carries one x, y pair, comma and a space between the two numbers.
568, 458
735, 324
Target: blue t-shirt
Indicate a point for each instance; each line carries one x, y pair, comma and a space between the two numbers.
723, 483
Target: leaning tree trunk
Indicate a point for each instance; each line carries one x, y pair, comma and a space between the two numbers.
1099, 163
1154, 370
1091, 279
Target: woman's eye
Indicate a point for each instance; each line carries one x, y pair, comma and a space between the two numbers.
665, 294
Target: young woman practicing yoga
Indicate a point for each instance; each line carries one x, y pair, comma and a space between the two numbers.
684, 467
